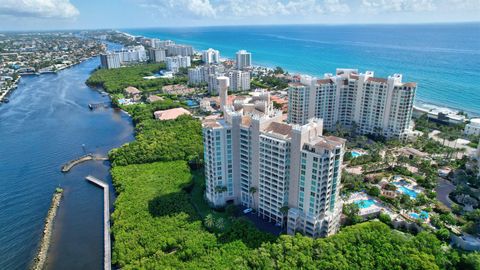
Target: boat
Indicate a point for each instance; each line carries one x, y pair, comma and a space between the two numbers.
6, 100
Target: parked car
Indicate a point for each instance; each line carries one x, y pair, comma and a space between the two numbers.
248, 210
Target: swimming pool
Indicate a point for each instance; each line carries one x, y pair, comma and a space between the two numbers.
362, 204
423, 215
356, 154
410, 192
191, 103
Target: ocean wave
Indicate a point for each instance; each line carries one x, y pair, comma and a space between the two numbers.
377, 45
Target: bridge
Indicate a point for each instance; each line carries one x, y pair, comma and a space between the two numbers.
107, 252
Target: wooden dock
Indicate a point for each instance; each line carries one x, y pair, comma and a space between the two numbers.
107, 259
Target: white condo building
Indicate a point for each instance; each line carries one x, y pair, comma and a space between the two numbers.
211, 56
243, 59
288, 173
174, 63
381, 106
239, 80
110, 60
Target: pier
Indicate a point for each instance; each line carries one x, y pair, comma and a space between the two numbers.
72, 163
107, 259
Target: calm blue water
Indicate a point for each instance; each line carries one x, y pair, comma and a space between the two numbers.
43, 126
412, 193
365, 203
443, 59
356, 154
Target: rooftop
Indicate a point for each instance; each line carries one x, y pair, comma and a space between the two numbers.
132, 90
279, 128
170, 114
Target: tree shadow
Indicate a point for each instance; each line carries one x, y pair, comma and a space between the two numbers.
237, 228
172, 204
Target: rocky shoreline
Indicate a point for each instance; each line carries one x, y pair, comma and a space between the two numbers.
40, 259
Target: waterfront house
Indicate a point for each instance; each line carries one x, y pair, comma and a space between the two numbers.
170, 114
133, 93
154, 98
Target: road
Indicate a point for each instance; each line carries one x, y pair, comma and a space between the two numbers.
444, 187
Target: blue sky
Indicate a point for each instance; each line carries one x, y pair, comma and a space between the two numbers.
90, 14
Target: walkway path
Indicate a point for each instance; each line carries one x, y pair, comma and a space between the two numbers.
107, 261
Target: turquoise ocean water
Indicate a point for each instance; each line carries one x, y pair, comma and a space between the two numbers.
444, 59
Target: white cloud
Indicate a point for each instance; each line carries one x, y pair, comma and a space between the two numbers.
232, 9
375, 6
398, 5
38, 8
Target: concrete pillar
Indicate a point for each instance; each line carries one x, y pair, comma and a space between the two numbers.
223, 84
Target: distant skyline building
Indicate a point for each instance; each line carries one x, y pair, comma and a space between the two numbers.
178, 49
243, 59
133, 54
156, 55
381, 106
195, 75
288, 173
473, 128
174, 63
160, 44
201, 74
239, 80
211, 56
212, 84
110, 60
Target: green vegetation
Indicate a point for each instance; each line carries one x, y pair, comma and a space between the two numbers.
156, 226
141, 112
162, 221
450, 132
371, 245
115, 80
178, 139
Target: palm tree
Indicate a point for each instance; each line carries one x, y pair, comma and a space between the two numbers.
252, 191
354, 129
389, 158
209, 221
220, 224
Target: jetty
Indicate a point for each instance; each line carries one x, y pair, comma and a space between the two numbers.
107, 253
72, 163
41, 258
93, 106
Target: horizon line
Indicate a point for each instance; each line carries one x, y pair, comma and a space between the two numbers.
247, 25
